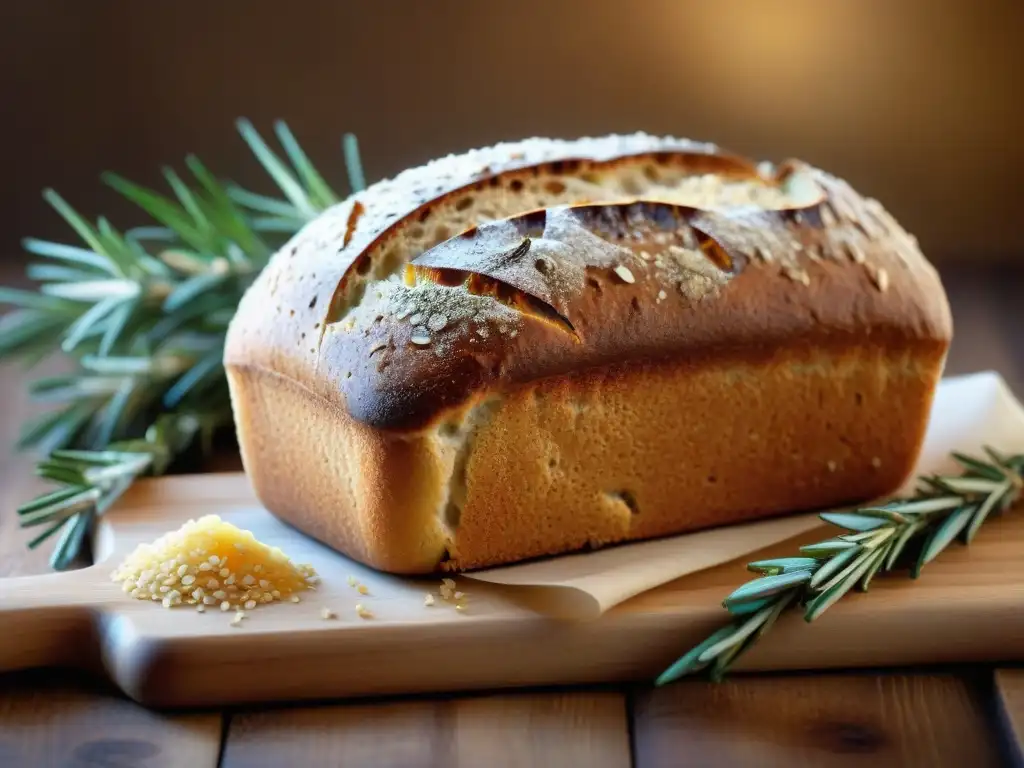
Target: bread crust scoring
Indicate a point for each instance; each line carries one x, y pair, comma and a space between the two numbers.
632, 262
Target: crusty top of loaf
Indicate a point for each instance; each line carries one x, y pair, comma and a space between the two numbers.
526, 260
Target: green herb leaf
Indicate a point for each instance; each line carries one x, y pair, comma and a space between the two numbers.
941, 537
782, 565
353, 162
273, 165
852, 521
689, 662
767, 586
835, 565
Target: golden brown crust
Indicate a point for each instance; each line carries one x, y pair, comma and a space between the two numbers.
382, 367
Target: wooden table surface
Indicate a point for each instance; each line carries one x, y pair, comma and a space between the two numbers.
935, 717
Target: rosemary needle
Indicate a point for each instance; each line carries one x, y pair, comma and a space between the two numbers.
911, 531
143, 313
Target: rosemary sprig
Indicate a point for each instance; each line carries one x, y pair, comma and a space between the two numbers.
878, 539
143, 315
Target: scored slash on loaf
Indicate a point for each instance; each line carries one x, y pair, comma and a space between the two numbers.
546, 346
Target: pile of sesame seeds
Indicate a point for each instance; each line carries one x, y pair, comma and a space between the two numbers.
209, 563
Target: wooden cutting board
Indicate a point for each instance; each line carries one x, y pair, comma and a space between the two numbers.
968, 606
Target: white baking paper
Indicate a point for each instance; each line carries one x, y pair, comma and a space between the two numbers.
968, 413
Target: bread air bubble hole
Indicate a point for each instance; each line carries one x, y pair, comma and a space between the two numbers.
552, 462
390, 262
542, 266
590, 178
448, 429
363, 265
635, 304
712, 479
516, 185
441, 234
465, 203
858, 398
416, 232
627, 498
555, 187
651, 173
593, 283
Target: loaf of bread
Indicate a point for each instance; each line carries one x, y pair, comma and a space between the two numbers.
549, 346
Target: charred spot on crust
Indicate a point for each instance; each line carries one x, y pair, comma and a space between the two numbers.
353, 219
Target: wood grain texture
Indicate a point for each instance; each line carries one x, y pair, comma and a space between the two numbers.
829, 721
1010, 693
45, 721
542, 729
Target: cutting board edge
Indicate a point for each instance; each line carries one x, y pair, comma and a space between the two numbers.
159, 673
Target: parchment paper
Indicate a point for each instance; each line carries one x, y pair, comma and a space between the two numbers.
968, 412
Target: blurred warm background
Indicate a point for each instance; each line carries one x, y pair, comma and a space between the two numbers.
916, 102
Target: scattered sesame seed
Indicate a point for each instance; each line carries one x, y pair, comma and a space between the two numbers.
214, 560
362, 589
363, 611
225, 606
250, 604
459, 595
295, 598
876, 462
429, 599
190, 579
224, 573
327, 613
881, 279
201, 608
662, 295
205, 567
182, 570
248, 580
624, 274
352, 581
460, 607
797, 275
